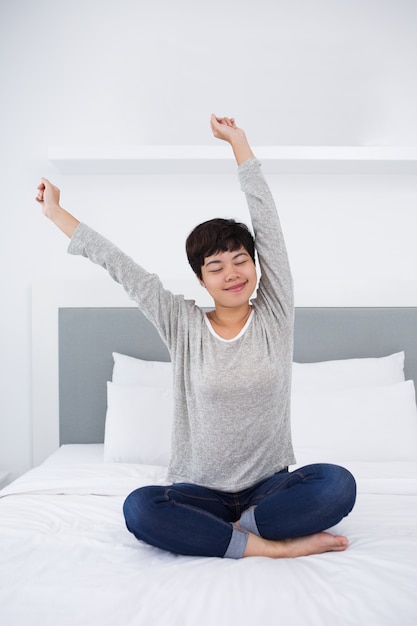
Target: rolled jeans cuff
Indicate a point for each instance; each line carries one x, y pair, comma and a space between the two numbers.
237, 544
248, 521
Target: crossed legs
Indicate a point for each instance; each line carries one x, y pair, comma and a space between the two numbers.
283, 516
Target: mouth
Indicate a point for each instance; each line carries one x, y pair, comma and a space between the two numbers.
236, 288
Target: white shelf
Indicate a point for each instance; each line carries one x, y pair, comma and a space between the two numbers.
210, 159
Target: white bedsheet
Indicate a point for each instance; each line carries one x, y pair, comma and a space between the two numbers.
66, 558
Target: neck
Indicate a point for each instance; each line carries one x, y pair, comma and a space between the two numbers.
230, 316
228, 322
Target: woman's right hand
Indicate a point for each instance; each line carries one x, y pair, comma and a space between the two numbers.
48, 196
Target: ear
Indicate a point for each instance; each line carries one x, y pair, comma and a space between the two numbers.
201, 281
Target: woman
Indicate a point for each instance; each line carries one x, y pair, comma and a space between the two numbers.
230, 492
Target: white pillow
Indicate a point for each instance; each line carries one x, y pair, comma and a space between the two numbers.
138, 425
369, 424
345, 373
129, 370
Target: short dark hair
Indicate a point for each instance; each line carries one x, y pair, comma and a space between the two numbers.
214, 236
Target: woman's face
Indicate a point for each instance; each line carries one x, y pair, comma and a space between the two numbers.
229, 277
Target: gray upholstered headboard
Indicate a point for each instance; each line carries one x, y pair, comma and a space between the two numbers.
88, 336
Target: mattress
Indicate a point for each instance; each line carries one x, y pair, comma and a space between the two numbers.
66, 557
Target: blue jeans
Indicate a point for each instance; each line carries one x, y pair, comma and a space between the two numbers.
193, 520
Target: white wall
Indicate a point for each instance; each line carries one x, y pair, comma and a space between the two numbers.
328, 72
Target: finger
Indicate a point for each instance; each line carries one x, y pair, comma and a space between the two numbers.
224, 121
41, 189
213, 121
215, 124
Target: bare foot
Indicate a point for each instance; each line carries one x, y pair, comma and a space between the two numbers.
299, 546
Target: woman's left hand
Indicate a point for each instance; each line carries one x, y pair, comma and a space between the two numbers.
225, 128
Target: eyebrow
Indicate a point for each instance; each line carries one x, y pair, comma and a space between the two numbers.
236, 256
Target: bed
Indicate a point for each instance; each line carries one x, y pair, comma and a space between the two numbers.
66, 557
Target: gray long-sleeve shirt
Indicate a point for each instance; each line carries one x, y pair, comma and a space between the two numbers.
231, 397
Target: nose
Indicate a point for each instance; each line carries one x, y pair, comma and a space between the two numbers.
232, 274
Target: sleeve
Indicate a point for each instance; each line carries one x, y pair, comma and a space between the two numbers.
275, 288
158, 304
